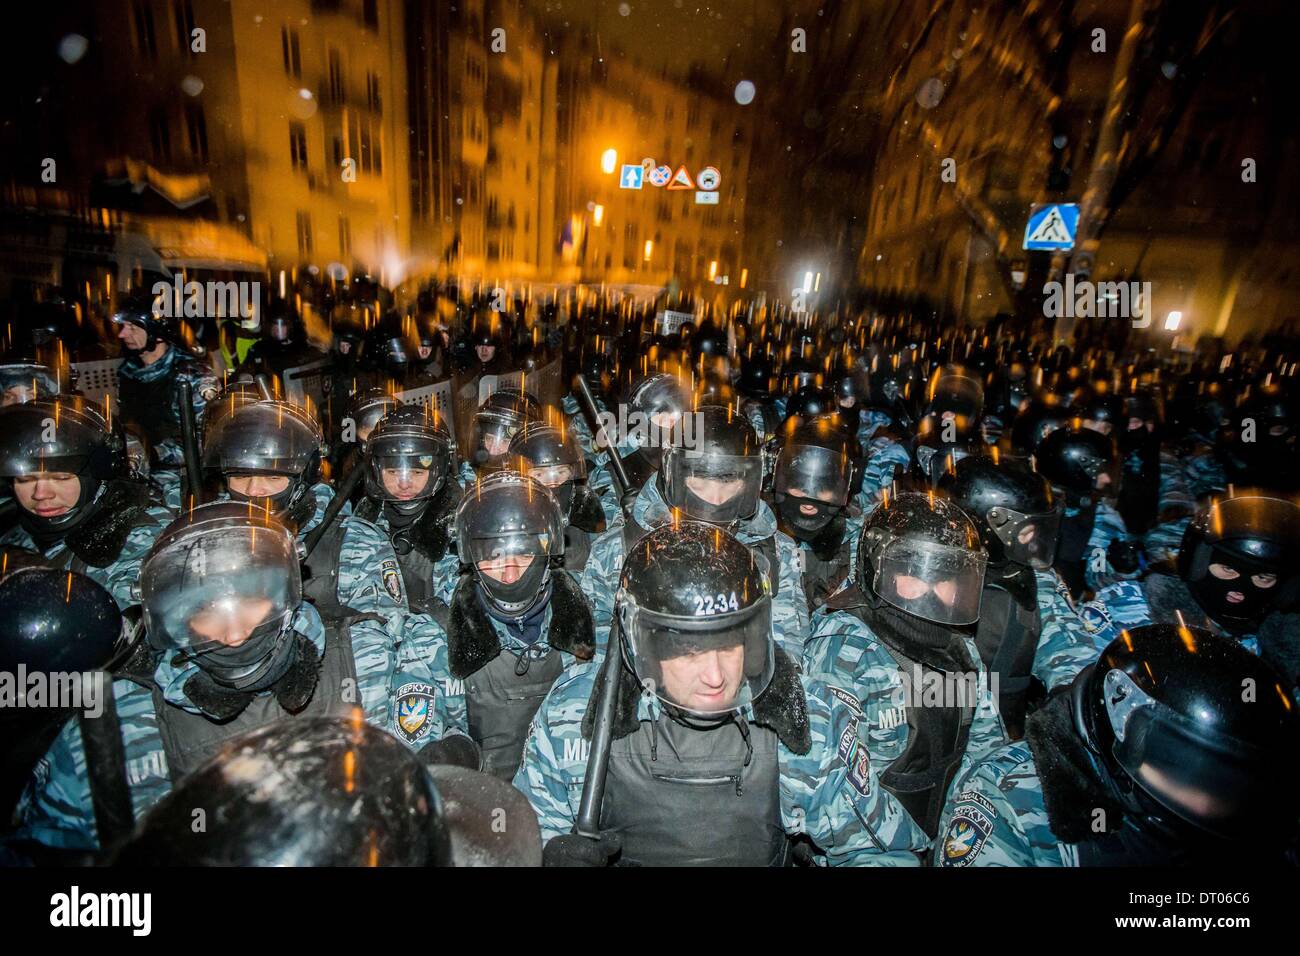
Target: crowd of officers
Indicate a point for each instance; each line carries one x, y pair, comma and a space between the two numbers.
848, 589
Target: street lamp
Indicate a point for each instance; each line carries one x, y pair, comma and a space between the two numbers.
649, 248
598, 214
608, 160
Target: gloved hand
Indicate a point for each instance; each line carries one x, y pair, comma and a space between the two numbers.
570, 849
1124, 556
454, 749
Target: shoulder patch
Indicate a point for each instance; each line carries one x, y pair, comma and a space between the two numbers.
848, 699
414, 707
968, 831
392, 576
853, 753
1095, 616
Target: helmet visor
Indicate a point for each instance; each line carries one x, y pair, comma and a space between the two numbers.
1219, 784
706, 665
209, 590
931, 581
715, 488
814, 472
1027, 539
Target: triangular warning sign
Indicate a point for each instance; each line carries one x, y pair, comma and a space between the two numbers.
1052, 229
681, 179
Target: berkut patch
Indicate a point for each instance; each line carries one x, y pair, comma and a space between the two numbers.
854, 706
392, 576
1095, 616
969, 830
853, 752
414, 710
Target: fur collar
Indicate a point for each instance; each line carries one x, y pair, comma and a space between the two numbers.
472, 640
1167, 593
122, 508
783, 707
1071, 789
586, 513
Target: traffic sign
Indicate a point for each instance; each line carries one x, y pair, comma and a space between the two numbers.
706, 198
631, 176
660, 175
708, 178
1052, 227
682, 179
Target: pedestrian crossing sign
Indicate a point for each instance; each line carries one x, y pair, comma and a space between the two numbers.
1052, 227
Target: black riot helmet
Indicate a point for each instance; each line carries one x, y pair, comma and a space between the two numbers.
1037, 419
757, 376
408, 456
801, 373
898, 387
320, 791
269, 438
656, 405
813, 476
549, 454
221, 586
709, 340
1183, 743
810, 402
1241, 559
955, 391
1014, 509
921, 554
687, 590
57, 621
1099, 409
497, 420
22, 382
516, 523
1264, 431
145, 312
367, 408
63, 436
716, 474
1081, 462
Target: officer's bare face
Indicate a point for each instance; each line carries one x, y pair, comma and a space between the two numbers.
508, 568
706, 681
405, 483
1104, 428
257, 486
485, 352
1225, 572
230, 622
554, 476
911, 589
48, 495
715, 491
424, 351
496, 444
132, 336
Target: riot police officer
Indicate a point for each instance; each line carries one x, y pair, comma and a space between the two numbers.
1238, 574
66, 466
155, 362
497, 420
722, 751
411, 495
899, 642
811, 485
236, 648
516, 621
713, 474
1154, 756
551, 455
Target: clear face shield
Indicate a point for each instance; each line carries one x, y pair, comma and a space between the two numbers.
931, 581
224, 598
811, 485
957, 395
492, 434
406, 469
707, 665
1172, 760
1027, 539
715, 488
512, 568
